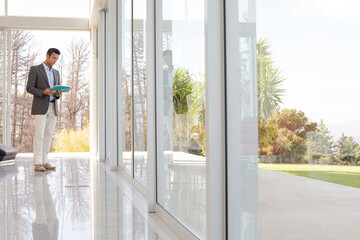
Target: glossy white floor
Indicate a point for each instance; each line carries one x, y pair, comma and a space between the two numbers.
59, 204
83, 200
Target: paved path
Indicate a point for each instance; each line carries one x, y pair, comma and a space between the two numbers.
292, 207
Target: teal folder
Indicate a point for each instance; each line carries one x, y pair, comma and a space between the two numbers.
61, 88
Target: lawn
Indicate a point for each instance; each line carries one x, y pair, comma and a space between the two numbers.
344, 175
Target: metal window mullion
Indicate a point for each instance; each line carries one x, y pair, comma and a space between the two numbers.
3, 117
151, 104
120, 96
112, 95
101, 86
7, 102
158, 93
93, 92
117, 83
132, 91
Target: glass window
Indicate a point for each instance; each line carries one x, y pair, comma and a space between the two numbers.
125, 87
139, 90
49, 8
309, 145
180, 96
29, 48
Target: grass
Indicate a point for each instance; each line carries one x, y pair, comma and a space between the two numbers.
344, 175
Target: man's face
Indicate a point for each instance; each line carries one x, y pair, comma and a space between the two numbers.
51, 60
167, 60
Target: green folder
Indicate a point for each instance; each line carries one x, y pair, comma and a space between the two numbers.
61, 88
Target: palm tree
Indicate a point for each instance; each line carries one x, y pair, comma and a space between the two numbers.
269, 81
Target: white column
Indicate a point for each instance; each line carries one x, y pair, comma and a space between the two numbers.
151, 110
3, 117
241, 121
101, 86
94, 92
111, 86
7, 100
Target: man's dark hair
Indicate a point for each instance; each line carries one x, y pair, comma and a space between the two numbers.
53, 50
167, 52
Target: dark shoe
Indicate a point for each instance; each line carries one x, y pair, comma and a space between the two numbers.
39, 168
48, 166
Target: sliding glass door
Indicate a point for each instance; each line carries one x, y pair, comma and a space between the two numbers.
180, 107
131, 82
139, 90
124, 80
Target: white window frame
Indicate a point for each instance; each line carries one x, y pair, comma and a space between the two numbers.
111, 87
215, 122
215, 118
101, 86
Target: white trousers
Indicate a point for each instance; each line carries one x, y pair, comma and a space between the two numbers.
44, 129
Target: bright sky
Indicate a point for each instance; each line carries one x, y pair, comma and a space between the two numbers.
316, 45
188, 30
57, 39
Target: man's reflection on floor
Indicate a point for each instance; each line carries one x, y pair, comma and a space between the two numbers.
46, 225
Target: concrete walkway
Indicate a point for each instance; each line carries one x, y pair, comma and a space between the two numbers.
292, 207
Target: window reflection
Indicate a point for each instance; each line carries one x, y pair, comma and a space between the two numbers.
125, 86
181, 114
139, 90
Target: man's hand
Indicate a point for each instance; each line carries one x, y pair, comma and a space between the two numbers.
58, 94
48, 92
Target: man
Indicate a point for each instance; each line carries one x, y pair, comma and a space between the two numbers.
42, 78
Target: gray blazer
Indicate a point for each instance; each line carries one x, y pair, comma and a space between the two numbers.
37, 83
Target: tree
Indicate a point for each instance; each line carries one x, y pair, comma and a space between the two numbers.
23, 57
269, 81
77, 100
139, 92
295, 121
267, 131
60, 122
290, 140
347, 149
320, 145
196, 119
